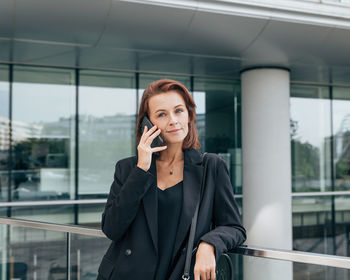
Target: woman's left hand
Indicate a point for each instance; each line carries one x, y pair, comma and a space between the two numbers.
204, 268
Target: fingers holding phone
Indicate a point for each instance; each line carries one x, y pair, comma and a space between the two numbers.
144, 148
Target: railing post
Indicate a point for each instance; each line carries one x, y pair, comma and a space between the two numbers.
78, 264
68, 255
35, 263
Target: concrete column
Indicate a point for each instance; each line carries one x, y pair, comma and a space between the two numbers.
266, 156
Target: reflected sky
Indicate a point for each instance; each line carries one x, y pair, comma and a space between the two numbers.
313, 119
34, 103
341, 112
101, 102
199, 99
4, 99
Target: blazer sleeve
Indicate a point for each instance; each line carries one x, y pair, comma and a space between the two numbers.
228, 230
124, 200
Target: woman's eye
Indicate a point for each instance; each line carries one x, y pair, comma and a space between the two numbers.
179, 110
161, 114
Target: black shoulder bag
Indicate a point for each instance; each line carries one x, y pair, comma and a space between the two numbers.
186, 274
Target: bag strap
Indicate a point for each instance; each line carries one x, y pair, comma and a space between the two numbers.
186, 274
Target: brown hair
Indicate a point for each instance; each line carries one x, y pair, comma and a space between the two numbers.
163, 86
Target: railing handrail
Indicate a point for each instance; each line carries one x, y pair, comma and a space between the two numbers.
103, 200
53, 202
294, 256
53, 227
269, 253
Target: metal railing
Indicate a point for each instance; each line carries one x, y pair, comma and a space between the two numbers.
103, 200
268, 253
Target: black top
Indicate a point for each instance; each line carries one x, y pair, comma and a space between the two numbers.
169, 209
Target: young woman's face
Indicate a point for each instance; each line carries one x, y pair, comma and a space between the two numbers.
169, 113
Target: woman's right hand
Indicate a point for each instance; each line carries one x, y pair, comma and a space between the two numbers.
144, 148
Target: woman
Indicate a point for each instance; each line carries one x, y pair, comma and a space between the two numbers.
154, 194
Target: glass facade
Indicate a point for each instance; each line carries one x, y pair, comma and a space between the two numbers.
310, 138
107, 119
218, 122
320, 135
43, 134
341, 132
69, 127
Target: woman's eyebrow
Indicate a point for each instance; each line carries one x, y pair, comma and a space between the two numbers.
165, 110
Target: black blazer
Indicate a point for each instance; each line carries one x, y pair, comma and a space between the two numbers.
130, 217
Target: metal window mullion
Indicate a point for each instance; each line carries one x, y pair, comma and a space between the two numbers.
333, 223
137, 86
10, 155
76, 181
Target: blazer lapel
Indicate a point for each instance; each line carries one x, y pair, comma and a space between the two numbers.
150, 204
192, 179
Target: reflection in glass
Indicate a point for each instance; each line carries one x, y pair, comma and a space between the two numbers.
85, 260
319, 272
43, 134
262, 268
316, 229
60, 214
341, 132
90, 215
217, 122
312, 224
28, 253
107, 119
4, 133
310, 138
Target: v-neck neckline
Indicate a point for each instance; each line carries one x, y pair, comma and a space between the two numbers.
169, 187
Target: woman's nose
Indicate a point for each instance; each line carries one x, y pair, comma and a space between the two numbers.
173, 119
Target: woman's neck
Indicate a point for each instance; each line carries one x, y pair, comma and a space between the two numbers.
172, 153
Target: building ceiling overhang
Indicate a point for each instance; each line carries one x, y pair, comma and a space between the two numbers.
214, 38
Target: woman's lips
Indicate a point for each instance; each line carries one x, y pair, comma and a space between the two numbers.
174, 131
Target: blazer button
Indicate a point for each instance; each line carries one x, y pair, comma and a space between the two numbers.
127, 252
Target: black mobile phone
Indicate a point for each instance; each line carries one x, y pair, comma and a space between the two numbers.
158, 141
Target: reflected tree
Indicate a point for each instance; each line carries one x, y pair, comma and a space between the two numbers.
305, 161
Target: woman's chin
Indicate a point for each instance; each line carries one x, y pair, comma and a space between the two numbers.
174, 141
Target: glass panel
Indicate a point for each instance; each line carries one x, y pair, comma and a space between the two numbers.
32, 253
85, 260
248, 267
43, 134
107, 120
218, 109
239, 201
4, 132
318, 272
310, 138
60, 214
313, 229
270, 269
342, 225
321, 224
91, 214
341, 132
